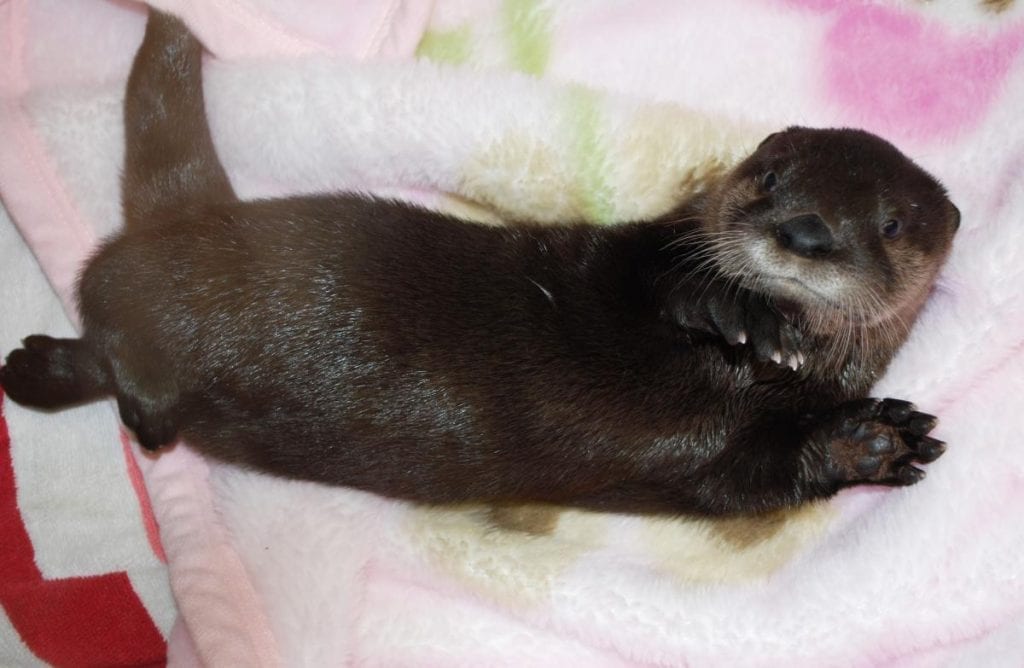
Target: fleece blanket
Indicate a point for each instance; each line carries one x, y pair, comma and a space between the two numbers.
605, 111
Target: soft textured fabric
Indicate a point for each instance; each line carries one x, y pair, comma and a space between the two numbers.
269, 572
83, 580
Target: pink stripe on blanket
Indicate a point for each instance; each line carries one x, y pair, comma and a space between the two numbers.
145, 506
222, 612
31, 187
236, 29
239, 28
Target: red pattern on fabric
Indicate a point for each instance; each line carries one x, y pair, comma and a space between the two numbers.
145, 505
85, 621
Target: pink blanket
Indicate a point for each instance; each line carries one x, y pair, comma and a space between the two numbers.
265, 571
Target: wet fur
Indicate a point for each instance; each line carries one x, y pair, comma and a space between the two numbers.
373, 344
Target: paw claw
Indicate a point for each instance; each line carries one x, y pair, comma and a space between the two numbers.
896, 410
909, 475
920, 424
930, 449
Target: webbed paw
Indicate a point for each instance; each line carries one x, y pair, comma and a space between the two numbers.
878, 441
742, 317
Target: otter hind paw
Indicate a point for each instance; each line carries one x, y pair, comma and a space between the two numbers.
154, 426
51, 373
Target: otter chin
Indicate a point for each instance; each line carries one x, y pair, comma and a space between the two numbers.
716, 361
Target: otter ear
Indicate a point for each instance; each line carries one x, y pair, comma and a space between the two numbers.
775, 135
767, 139
955, 217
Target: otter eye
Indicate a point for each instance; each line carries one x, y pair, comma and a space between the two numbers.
769, 181
892, 228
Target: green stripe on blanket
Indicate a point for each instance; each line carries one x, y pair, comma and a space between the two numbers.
590, 155
527, 27
524, 29
446, 46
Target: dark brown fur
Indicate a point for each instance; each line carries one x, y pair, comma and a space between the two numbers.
369, 343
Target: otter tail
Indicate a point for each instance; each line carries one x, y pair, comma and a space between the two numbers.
169, 165
169, 159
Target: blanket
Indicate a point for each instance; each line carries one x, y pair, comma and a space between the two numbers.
605, 111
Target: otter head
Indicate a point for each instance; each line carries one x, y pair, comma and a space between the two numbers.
833, 223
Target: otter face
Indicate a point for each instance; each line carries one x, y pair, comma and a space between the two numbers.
833, 221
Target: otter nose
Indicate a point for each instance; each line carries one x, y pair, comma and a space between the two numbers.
807, 236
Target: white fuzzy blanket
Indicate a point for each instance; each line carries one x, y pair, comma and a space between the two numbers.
271, 572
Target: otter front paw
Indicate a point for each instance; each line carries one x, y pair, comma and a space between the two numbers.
874, 441
742, 317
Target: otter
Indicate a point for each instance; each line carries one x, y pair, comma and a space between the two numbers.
717, 360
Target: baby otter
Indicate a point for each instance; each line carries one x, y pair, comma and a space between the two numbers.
714, 361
